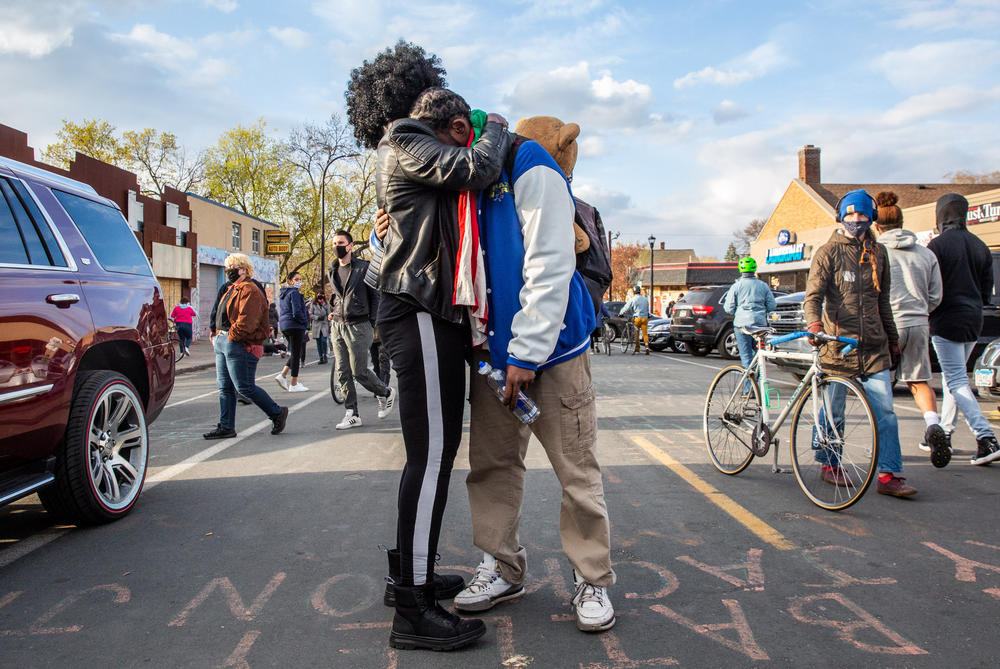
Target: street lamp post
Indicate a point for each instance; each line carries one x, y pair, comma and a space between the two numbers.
611, 237
322, 226
652, 240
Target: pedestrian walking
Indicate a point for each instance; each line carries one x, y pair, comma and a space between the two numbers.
915, 292
241, 327
293, 319
967, 284
422, 163
750, 300
637, 308
351, 315
848, 294
319, 316
183, 316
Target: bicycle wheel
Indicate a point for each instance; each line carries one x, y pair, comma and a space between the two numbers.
335, 391
732, 411
834, 443
627, 337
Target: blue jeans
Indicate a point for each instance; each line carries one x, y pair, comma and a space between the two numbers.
235, 369
748, 349
184, 335
878, 388
952, 356
321, 346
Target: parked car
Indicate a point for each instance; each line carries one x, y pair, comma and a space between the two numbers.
660, 337
85, 361
702, 324
616, 322
984, 372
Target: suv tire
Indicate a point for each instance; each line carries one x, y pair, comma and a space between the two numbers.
728, 347
98, 480
698, 350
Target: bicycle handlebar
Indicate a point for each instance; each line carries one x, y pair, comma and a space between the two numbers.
818, 337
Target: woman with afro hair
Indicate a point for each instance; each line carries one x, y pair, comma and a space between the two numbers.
423, 134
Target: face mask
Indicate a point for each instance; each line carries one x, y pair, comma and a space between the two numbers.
233, 274
856, 228
297, 284
341, 251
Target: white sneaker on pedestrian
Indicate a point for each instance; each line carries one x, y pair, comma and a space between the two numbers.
297, 388
282, 381
487, 588
594, 612
350, 420
385, 404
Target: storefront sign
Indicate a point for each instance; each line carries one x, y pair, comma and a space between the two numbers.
984, 213
788, 253
785, 237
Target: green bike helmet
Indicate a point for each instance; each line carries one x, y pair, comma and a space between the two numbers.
747, 264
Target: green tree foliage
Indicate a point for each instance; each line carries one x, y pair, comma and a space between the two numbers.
93, 137
249, 170
731, 254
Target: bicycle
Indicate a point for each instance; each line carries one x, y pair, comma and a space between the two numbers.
834, 435
629, 336
175, 342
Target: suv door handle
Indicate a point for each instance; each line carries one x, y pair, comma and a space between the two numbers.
63, 300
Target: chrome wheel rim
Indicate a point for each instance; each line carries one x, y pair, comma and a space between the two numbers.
732, 348
117, 447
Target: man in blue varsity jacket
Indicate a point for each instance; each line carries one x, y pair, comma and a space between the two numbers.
540, 317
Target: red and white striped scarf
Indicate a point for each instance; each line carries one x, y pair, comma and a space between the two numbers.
470, 270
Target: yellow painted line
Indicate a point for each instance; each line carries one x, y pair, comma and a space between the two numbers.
723, 501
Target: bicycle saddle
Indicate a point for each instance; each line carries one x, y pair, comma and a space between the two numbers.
757, 330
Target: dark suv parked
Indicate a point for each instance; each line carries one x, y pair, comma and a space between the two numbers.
702, 324
85, 364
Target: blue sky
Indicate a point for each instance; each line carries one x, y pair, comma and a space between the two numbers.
691, 113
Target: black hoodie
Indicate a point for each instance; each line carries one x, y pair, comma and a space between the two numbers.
966, 273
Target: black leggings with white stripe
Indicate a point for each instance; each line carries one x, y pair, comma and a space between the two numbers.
429, 356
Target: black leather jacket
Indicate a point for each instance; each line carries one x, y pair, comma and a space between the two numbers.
417, 182
354, 302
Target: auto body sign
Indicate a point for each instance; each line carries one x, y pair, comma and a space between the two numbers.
984, 213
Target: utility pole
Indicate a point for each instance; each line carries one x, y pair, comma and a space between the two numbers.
652, 241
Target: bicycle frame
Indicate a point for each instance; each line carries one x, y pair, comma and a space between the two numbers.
811, 378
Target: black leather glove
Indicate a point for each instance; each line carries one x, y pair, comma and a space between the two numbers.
895, 355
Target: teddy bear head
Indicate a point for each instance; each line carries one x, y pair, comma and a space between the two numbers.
558, 138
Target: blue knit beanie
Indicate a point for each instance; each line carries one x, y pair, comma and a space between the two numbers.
858, 201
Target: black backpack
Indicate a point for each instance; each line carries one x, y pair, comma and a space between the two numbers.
594, 263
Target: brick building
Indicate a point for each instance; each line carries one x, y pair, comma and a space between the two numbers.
805, 217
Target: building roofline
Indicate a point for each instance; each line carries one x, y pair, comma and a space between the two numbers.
816, 197
237, 211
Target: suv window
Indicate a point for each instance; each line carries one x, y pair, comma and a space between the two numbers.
107, 233
699, 296
27, 238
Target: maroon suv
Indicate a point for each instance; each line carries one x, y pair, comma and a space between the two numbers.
85, 362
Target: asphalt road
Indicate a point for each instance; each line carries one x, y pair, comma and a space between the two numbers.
263, 551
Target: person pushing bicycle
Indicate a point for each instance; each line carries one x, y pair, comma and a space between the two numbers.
637, 308
848, 295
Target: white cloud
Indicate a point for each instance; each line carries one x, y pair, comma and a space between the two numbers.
574, 94
728, 111
935, 64
183, 57
591, 146
938, 16
751, 65
948, 100
158, 46
608, 201
37, 29
226, 6
293, 38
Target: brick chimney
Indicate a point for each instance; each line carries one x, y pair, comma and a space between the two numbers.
809, 164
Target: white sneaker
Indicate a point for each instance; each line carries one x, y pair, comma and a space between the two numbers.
385, 404
350, 420
594, 612
282, 381
297, 388
487, 588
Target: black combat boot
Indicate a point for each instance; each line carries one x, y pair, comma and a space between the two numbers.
421, 623
446, 586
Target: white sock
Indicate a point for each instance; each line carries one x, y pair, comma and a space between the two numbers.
931, 418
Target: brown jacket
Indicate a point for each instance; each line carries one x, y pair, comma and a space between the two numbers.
842, 294
247, 311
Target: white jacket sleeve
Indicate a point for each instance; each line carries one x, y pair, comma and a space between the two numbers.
545, 210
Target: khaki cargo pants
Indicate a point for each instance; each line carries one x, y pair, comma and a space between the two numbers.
567, 429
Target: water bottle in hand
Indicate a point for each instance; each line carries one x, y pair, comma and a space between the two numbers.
525, 409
